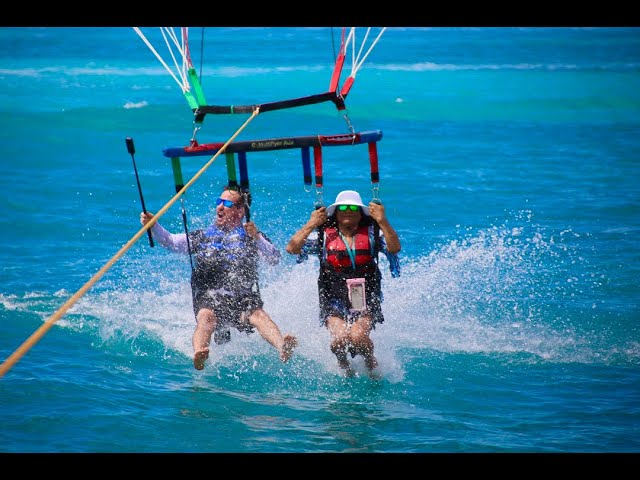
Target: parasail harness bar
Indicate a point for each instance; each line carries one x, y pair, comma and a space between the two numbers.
282, 143
304, 143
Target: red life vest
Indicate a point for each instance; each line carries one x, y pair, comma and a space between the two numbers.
336, 251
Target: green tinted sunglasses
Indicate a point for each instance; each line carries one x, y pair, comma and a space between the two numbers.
344, 208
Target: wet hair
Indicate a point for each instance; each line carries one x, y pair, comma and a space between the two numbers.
245, 194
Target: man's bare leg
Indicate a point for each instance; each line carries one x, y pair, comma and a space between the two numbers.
206, 324
271, 333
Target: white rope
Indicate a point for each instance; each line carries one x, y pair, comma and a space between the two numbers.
354, 66
356, 61
371, 47
186, 54
183, 83
182, 48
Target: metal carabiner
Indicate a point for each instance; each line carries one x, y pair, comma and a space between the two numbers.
195, 131
349, 126
375, 191
319, 203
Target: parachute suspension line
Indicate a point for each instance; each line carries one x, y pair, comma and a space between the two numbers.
201, 51
182, 83
183, 49
186, 68
188, 62
186, 55
358, 63
356, 60
186, 78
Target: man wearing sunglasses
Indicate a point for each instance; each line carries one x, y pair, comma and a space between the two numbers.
350, 236
224, 280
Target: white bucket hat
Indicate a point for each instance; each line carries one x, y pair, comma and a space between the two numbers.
347, 197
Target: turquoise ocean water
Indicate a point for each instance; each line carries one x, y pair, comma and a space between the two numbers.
509, 165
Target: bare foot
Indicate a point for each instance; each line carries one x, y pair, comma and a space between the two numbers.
199, 358
290, 342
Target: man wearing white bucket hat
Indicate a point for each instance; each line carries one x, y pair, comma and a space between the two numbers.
350, 236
